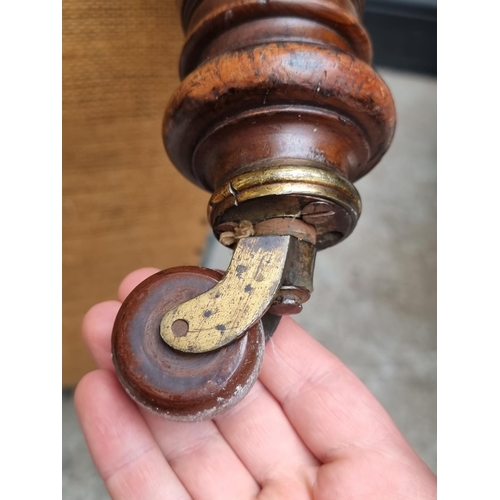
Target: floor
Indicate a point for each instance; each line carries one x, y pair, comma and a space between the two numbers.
374, 303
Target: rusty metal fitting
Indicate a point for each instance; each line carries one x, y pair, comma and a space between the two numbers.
282, 226
298, 274
289, 300
297, 280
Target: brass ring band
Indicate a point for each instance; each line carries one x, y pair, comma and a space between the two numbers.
306, 184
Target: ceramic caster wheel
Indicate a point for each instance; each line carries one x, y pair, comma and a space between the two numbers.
173, 384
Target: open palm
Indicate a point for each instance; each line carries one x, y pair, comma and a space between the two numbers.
308, 429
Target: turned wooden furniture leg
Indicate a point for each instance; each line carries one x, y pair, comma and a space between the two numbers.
277, 115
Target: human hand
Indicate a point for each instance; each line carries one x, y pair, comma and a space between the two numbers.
309, 429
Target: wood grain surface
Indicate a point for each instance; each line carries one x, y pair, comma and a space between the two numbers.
124, 205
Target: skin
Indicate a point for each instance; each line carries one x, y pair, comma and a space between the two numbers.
309, 429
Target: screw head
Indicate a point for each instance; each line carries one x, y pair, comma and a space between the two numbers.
317, 211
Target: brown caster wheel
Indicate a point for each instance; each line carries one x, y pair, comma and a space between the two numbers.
170, 383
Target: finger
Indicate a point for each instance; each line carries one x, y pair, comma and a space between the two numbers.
98, 322
326, 403
384, 475
124, 451
96, 330
133, 279
261, 435
203, 460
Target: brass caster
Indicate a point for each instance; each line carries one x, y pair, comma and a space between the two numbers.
188, 342
174, 384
